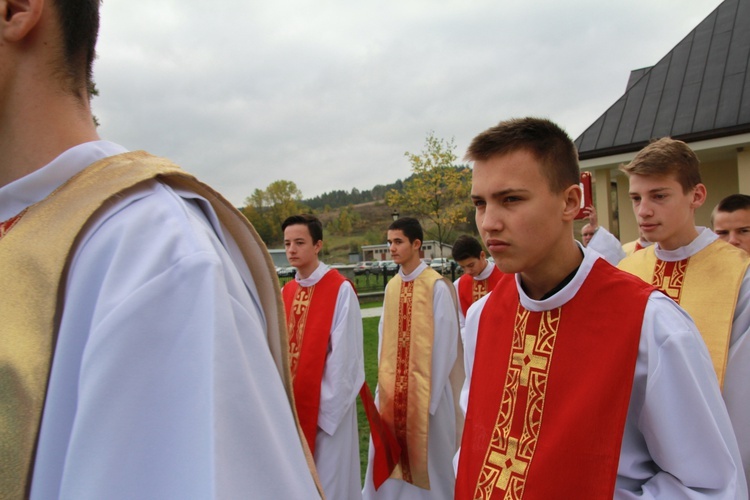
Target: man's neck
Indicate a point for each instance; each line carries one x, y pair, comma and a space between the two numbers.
539, 281
35, 130
306, 271
678, 240
410, 266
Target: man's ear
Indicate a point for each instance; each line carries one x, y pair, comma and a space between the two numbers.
19, 17
699, 196
572, 201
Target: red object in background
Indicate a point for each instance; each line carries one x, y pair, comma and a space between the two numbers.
588, 196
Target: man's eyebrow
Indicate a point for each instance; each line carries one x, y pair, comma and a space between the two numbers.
502, 192
651, 191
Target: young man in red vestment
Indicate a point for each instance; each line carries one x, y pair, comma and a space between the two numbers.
326, 357
560, 402
419, 374
731, 220
479, 278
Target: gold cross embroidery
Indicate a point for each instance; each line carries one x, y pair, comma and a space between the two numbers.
527, 360
509, 463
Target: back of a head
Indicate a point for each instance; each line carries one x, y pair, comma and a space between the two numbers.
79, 26
466, 247
313, 225
667, 157
549, 143
411, 228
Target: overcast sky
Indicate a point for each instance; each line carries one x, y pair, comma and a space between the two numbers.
331, 93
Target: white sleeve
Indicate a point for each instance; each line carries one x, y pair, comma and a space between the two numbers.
605, 243
444, 343
461, 317
163, 385
344, 371
737, 376
678, 440
470, 347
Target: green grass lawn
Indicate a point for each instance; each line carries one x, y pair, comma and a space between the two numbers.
370, 328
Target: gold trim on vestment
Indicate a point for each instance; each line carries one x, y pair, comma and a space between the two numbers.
509, 455
707, 286
297, 323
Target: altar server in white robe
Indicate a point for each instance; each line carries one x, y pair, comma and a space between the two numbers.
708, 277
327, 302
441, 401
668, 434
165, 379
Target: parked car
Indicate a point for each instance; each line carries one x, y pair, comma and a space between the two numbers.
441, 265
286, 272
384, 265
364, 267
391, 266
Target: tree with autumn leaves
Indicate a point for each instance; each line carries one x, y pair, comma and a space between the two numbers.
267, 208
439, 191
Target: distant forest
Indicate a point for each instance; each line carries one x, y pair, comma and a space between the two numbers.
341, 198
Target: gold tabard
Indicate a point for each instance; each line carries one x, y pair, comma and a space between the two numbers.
404, 371
706, 285
34, 257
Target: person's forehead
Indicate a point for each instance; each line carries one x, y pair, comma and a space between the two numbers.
738, 218
518, 169
653, 182
467, 262
396, 234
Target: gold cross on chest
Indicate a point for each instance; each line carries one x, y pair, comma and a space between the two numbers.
526, 360
302, 299
509, 463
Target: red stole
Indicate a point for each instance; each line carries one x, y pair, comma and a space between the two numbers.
550, 391
308, 343
471, 290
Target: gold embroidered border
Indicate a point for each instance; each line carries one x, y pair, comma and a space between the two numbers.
519, 419
669, 277
401, 391
296, 324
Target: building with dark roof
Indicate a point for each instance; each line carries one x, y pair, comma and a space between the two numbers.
699, 93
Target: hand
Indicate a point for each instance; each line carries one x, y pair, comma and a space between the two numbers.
590, 213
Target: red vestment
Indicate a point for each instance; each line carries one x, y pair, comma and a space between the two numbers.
471, 290
550, 391
308, 343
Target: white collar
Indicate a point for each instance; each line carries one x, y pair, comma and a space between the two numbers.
705, 238
412, 275
486, 272
316, 276
36, 186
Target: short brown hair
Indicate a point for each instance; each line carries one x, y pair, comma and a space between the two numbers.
549, 143
667, 157
313, 225
79, 28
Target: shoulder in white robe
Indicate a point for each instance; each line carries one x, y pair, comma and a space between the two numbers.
736, 389
607, 245
162, 383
